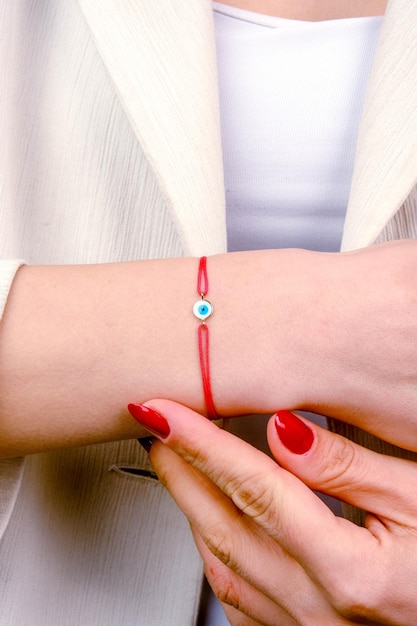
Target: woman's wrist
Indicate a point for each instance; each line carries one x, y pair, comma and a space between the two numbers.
365, 351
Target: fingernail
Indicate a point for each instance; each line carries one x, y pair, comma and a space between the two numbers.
146, 443
151, 419
294, 434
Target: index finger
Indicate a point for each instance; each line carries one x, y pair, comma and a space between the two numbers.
274, 498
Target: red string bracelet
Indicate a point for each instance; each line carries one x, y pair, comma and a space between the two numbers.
202, 309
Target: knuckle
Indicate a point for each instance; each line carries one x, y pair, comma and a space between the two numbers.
256, 497
226, 589
343, 466
198, 456
358, 598
195, 455
219, 541
225, 584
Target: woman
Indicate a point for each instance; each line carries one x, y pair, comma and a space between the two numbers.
112, 152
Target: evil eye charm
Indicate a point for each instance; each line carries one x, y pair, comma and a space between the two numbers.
202, 309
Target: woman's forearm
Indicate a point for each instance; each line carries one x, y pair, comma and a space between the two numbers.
77, 343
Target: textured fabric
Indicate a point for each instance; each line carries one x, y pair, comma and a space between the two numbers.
8, 270
163, 65
90, 543
386, 165
10, 469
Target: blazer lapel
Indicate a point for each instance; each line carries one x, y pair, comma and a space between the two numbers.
162, 60
386, 163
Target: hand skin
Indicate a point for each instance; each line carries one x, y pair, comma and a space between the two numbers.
273, 552
331, 333
367, 339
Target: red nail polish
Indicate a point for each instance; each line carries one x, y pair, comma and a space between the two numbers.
151, 419
294, 434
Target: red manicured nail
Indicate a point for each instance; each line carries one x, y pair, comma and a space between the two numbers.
151, 419
294, 434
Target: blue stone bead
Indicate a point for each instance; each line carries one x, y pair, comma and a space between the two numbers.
202, 309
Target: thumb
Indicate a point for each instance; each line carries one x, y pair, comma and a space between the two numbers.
338, 467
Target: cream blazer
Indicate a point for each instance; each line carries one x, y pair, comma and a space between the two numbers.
114, 104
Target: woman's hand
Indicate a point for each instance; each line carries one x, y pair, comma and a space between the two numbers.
273, 552
334, 334
364, 340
